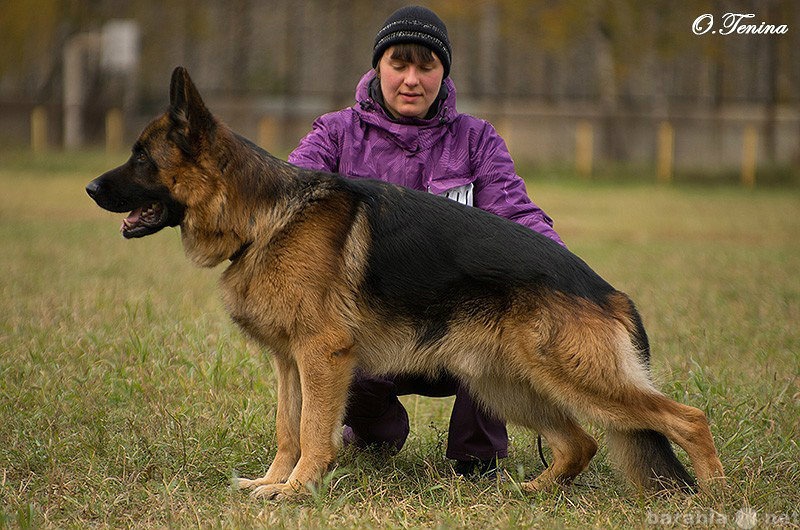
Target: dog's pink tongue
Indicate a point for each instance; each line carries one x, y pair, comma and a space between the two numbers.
132, 219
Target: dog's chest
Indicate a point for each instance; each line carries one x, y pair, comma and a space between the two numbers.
256, 305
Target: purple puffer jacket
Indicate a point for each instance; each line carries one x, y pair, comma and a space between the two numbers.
452, 154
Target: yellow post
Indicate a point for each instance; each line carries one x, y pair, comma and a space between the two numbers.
749, 156
39, 129
267, 133
584, 148
114, 131
666, 152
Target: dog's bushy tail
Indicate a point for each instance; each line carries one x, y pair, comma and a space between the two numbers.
645, 456
647, 459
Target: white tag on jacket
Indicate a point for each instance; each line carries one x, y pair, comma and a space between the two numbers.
462, 194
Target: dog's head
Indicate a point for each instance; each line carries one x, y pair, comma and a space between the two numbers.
163, 176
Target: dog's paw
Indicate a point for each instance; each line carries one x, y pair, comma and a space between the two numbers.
248, 484
278, 492
541, 484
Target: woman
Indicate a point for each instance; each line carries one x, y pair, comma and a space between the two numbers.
405, 130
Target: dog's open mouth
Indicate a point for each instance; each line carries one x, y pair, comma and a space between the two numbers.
145, 220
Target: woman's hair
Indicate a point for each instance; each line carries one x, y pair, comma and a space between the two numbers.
412, 52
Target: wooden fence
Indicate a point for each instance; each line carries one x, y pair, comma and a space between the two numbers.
270, 132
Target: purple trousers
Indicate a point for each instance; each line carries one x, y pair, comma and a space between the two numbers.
377, 417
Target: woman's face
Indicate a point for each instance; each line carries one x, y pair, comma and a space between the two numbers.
409, 89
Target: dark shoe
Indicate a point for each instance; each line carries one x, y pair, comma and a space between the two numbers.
477, 468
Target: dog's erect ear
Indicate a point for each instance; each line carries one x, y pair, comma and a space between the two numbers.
191, 120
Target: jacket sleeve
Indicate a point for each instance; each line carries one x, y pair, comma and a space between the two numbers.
498, 188
319, 149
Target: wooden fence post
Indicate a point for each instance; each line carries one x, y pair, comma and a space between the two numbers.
39, 129
666, 152
114, 131
749, 156
267, 133
584, 148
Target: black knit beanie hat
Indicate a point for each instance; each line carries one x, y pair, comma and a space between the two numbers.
414, 24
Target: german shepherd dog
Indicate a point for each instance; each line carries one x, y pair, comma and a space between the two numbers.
331, 274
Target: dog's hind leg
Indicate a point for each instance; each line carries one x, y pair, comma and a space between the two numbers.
596, 367
637, 416
572, 450
520, 403
287, 425
625, 401
647, 458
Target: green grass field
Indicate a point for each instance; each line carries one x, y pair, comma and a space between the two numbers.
129, 399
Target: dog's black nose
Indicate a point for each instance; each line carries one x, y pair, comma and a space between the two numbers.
92, 188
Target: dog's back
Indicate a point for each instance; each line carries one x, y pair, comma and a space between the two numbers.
449, 245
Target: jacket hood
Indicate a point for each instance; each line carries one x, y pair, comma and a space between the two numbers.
409, 133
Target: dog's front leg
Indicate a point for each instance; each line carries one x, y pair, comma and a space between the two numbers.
287, 424
325, 369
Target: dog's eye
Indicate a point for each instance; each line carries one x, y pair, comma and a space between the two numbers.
140, 157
